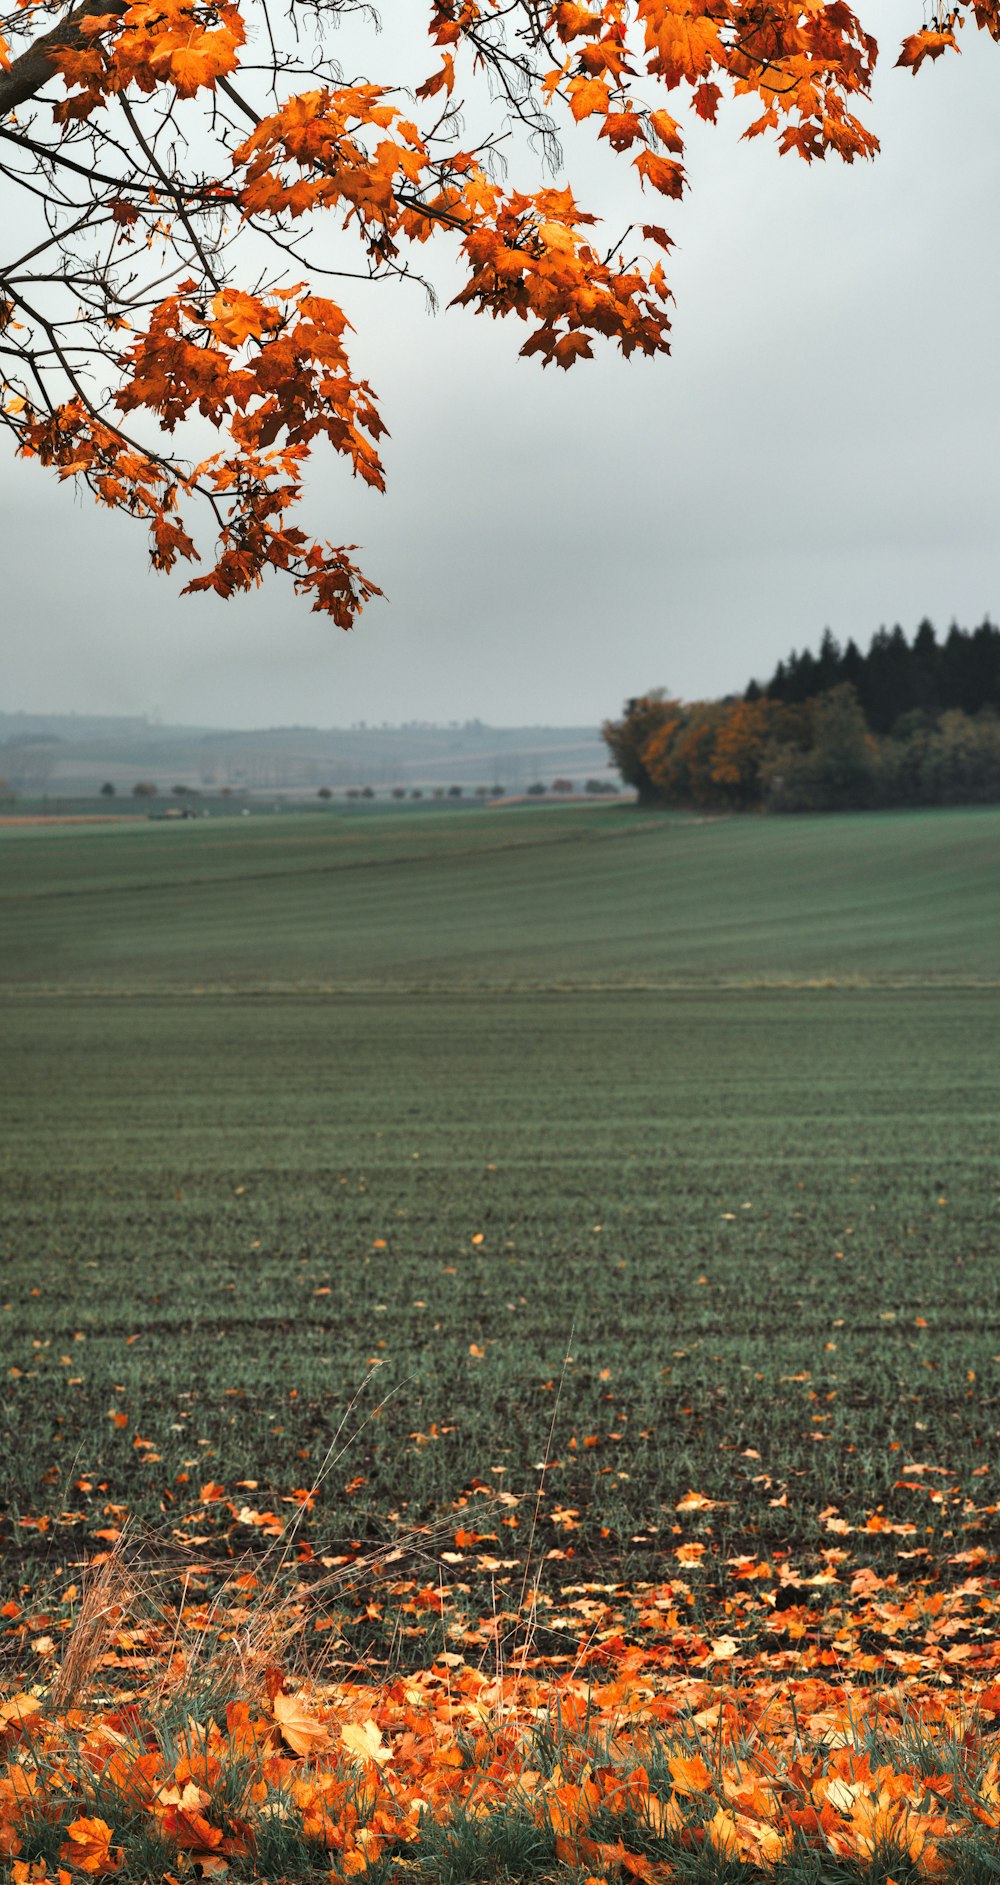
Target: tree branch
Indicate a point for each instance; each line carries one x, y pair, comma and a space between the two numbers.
34, 67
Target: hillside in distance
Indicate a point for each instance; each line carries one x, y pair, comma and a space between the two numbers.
77, 753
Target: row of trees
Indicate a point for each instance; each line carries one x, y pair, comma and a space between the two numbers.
897, 677
816, 755
147, 789
561, 787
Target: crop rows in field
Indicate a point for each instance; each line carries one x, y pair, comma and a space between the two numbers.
508, 900
760, 1226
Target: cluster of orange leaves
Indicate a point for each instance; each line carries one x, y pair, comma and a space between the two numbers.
150, 45
638, 1756
270, 371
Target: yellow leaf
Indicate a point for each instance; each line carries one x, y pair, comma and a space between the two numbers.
18, 1709
364, 1741
303, 1733
721, 1830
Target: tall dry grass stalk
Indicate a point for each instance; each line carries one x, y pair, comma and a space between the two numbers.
217, 1655
109, 1599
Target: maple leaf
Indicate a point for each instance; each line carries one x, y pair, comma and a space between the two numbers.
667, 130
927, 44
570, 347
721, 1831
237, 317
441, 80
181, 1817
88, 1847
363, 1740
572, 20
18, 1709
302, 1732
662, 172
587, 96
621, 128
689, 1774
706, 99
687, 45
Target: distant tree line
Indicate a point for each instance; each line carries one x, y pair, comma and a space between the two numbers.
148, 789
897, 677
903, 725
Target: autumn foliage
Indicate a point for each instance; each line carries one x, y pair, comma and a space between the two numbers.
836, 1718
189, 150
815, 754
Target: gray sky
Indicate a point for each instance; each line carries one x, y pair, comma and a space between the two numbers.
821, 448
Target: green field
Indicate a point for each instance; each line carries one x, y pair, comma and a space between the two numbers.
523, 898
717, 1101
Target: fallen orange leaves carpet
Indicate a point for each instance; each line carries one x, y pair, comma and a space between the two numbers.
834, 1716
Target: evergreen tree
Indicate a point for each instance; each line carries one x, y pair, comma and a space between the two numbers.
852, 666
830, 662
877, 694
984, 667
956, 689
925, 664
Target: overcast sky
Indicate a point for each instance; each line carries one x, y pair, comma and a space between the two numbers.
820, 449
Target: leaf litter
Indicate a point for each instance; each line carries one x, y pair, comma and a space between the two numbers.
205, 1718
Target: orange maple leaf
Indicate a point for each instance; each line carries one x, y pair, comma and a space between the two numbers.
621, 128
663, 173
573, 20
88, 1847
667, 130
442, 79
587, 96
927, 44
689, 1773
